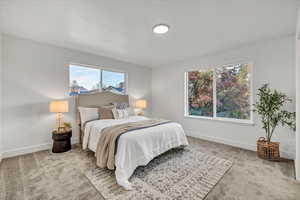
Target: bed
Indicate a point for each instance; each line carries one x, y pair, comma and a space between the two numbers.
134, 148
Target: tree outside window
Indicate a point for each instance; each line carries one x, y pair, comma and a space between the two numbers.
222, 92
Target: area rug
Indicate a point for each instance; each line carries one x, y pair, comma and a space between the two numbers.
176, 174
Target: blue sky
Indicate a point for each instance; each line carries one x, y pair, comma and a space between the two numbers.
90, 77
112, 78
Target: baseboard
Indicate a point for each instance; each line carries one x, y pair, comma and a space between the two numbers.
288, 155
41, 147
26, 150
284, 154
297, 172
31, 149
0, 157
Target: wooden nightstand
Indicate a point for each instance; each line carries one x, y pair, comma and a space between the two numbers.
61, 141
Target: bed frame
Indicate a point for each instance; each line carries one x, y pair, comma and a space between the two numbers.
95, 100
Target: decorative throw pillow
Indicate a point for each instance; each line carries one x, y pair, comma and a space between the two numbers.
115, 113
88, 114
120, 113
121, 105
123, 113
105, 112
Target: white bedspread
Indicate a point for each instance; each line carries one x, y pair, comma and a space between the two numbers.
135, 148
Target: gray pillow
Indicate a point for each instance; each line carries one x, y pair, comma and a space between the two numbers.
120, 105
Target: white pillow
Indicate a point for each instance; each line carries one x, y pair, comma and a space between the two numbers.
88, 114
130, 111
120, 113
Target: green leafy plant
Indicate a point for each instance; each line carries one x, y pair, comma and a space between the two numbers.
67, 125
269, 106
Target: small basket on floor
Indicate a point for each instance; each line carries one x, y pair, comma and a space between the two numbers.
268, 151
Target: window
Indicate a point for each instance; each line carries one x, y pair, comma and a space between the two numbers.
233, 91
200, 93
113, 81
220, 93
84, 80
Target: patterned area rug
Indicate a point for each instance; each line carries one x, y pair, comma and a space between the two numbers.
176, 174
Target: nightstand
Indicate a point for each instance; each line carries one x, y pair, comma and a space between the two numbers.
61, 141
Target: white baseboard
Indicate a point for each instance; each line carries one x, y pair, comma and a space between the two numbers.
26, 150
30, 149
41, 147
284, 154
297, 170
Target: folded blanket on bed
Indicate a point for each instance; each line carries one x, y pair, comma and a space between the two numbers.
107, 144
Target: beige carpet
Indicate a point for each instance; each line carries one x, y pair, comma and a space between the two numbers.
46, 176
177, 174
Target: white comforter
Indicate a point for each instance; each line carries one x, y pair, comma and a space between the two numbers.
135, 148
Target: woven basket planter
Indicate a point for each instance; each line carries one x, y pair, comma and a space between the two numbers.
268, 151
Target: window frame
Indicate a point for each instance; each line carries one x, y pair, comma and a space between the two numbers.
222, 119
101, 69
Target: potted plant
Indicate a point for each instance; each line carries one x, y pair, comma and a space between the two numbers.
270, 108
67, 126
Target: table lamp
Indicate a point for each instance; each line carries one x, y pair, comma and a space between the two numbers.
59, 107
141, 104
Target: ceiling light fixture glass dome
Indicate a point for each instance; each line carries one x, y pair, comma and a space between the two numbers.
160, 28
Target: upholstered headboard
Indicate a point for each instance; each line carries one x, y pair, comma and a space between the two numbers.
97, 99
100, 99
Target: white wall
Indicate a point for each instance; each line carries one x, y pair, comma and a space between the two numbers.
36, 73
274, 63
1, 84
297, 161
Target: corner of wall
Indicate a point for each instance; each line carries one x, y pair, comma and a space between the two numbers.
297, 41
1, 125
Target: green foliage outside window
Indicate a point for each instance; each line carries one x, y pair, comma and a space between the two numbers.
232, 91
200, 91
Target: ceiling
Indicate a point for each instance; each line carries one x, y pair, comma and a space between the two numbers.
123, 29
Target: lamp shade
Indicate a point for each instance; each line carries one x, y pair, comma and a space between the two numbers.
141, 104
59, 106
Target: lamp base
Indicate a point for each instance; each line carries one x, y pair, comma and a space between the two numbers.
61, 129
59, 122
140, 113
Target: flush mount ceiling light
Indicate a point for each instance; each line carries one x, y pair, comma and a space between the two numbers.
160, 28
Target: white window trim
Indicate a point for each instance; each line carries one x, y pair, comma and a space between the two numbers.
215, 118
106, 69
